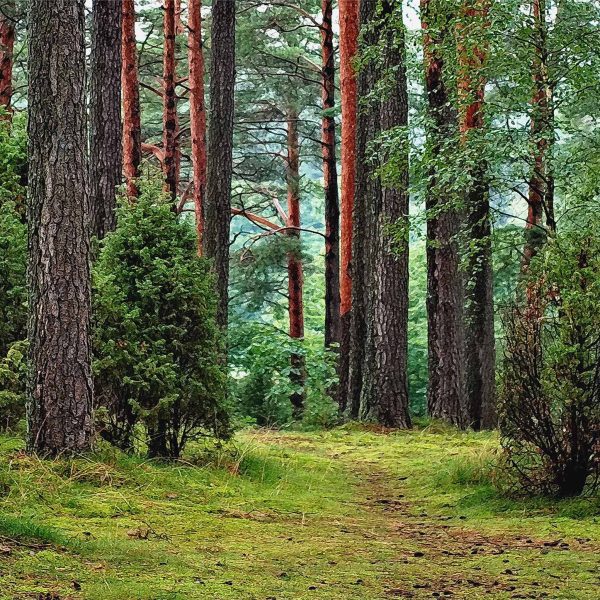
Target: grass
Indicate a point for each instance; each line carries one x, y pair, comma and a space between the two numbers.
342, 514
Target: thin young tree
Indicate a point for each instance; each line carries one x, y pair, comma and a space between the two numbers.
445, 302
170, 119
197, 114
61, 390
332, 205
348, 41
132, 123
295, 269
7, 43
106, 161
217, 209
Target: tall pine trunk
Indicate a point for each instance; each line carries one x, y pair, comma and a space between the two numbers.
170, 119
197, 114
7, 43
366, 194
132, 124
349, 27
220, 148
384, 397
60, 391
295, 271
446, 388
479, 299
332, 207
105, 114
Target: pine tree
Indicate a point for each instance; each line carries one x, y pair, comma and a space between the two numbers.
105, 114
132, 124
349, 27
7, 42
220, 148
197, 114
332, 205
446, 389
61, 391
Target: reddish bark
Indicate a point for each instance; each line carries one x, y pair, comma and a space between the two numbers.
197, 113
7, 43
170, 120
479, 301
132, 125
348, 15
541, 187
295, 272
332, 208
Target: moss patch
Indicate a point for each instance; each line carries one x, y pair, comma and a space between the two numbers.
342, 514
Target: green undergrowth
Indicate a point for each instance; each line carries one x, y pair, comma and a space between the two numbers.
286, 516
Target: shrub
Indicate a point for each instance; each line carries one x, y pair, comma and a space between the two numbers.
13, 162
13, 266
158, 353
550, 387
13, 385
262, 369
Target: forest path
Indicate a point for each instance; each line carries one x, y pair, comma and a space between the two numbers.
443, 545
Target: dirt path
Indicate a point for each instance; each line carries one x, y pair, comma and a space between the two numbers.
440, 556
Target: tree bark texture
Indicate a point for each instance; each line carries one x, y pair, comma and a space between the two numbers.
367, 194
220, 148
132, 124
348, 41
170, 119
106, 158
445, 298
295, 271
197, 114
7, 44
332, 205
60, 392
480, 353
385, 392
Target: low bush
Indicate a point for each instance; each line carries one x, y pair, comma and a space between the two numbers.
158, 351
550, 385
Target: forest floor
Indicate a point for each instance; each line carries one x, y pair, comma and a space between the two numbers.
346, 514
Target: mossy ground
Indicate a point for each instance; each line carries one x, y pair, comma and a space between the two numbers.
346, 514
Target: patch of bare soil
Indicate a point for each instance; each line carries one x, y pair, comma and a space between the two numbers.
455, 550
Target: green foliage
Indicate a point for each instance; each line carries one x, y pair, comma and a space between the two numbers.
261, 367
13, 162
13, 264
157, 346
13, 385
550, 395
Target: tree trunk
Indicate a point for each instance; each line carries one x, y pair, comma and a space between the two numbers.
170, 119
7, 43
220, 148
132, 124
367, 195
295, 273
349, 27
332, 207
541, 184
446, 389
385, 382
479, 299
197, 114
105, 115
61, 392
